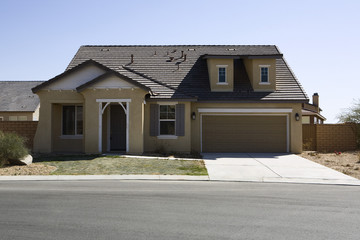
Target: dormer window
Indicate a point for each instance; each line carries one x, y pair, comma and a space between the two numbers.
222, 74
264, 74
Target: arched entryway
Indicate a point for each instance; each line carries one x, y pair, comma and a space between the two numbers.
118, 118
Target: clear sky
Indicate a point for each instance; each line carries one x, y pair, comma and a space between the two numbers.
319, 39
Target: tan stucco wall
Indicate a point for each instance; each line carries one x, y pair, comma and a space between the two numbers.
155, 144
253, 71
213, 74
43, 141
6, 115
136, 109
295, 133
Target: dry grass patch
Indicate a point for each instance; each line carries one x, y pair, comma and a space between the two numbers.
117, 165
345, 162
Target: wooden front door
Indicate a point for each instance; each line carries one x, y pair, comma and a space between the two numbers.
117, 128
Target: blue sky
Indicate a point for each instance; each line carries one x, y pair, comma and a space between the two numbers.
319, 39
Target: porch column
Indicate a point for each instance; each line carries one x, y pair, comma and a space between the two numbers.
127, 126
100, 127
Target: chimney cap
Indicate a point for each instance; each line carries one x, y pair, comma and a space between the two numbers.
316, 94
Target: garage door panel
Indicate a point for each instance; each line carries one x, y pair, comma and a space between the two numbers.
244, 134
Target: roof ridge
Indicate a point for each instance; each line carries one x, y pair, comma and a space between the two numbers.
152, 79
179, 45
296, 79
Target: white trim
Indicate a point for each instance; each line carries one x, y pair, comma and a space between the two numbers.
264, 83
127, 112
167, 137
100, 128
222, 83
245, 110
222, 66
101, 112
113, 100
108, 130
264, 66
287, 125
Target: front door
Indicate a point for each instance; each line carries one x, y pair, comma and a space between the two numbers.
117, 128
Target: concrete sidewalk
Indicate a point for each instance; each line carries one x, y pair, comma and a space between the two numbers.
268, 167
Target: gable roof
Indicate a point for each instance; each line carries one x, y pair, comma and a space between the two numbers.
180, 71
83, 65
16, 96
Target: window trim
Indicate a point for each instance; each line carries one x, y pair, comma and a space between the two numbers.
268, 75
218, 75
167, 136
15, 117
1, 118
71, 136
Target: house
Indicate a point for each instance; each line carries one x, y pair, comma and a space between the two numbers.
311, 112
17, 102
180, 98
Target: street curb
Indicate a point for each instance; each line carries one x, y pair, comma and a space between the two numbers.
104, 177
177, 178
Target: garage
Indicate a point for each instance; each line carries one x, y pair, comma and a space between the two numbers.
239, 133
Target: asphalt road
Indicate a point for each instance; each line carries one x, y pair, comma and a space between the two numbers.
177, 210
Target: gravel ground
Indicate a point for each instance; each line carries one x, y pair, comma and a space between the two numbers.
32, 169
345, 162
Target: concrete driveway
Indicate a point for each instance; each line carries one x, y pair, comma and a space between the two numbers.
271, 167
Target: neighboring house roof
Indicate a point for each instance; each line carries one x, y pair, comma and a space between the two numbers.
312, 110
16, 96
180, 71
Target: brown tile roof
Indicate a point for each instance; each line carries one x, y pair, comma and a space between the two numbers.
180, 71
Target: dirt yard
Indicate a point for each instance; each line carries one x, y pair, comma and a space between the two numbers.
345, 162
32, 169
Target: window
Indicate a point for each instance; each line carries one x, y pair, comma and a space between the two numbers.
222, 75
13, 118
167, 120
1, 119
22, 118
72, 123
264, 74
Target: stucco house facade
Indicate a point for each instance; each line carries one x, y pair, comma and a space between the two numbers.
180, 98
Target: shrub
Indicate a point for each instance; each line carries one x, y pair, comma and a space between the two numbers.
12, 147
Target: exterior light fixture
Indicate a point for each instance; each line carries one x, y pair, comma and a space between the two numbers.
297, 117
193, 116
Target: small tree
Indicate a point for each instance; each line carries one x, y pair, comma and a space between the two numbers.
12, 147
352, 115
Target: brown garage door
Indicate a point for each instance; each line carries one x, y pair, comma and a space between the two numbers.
244, 133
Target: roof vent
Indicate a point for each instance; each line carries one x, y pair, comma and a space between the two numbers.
191, 49
155, 53
104, 49
231, 49
132, 58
